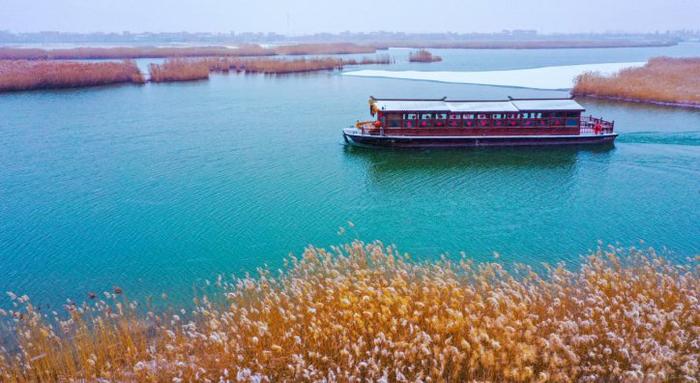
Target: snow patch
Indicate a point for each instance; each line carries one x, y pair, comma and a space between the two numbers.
550, 77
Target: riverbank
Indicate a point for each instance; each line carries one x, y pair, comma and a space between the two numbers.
661, 81
367, 312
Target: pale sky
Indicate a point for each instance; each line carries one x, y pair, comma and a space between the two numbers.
311, 16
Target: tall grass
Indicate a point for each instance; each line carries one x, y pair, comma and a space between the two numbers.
275, 66
662, 79
86, 53
194, 69
178, 70
368, 60
364, 312
43, 74
89, 53
423, 56
324, 48
16, 75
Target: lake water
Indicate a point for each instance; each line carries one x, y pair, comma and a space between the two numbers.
155, 188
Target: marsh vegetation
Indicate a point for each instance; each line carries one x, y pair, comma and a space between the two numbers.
244, 50
661, 80
423, 56
17, 75
366, 312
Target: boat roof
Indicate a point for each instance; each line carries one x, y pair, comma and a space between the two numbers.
510, 105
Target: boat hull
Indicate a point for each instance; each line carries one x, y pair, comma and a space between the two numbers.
359, 139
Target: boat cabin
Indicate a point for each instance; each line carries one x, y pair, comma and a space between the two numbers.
457, 117
442, 119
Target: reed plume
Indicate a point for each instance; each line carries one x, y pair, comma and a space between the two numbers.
365, 312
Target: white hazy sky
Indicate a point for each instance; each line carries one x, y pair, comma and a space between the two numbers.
310, 16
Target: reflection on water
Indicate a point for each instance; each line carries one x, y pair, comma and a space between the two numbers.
397, 160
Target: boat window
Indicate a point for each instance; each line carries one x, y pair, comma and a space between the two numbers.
440, 119
572, 114
526, 115
454, 120
556, 120
410, 116
426, 120
513, 119
484, 120
393, 120
469, 120
498, 119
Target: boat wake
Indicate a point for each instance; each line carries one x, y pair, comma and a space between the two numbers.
689, 138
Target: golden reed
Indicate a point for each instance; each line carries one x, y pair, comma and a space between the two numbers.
16, 75
89, 53
661, 80
181, 69
423, 56
178, 70
365, 312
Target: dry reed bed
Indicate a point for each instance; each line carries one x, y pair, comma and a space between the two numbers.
423, 56
198, 69
661, 80
282, 66
16, 75
364, 312
323, 49
178, 70
86, 53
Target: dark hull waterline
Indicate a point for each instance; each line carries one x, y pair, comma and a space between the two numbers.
474, 141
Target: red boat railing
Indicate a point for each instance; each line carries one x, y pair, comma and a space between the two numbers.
367, 127
594, 125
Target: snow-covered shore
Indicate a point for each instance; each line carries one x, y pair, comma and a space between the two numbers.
551, 77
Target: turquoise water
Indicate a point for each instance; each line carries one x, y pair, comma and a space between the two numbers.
155, 188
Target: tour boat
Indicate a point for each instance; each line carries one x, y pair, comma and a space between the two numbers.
441, 122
